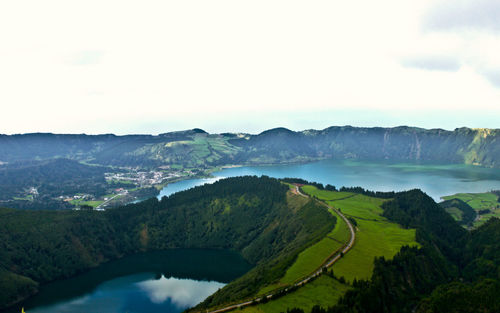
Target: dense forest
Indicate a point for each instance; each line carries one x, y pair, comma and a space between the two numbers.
51, 179
467, 212
196, 148
41, 171
454, 270
254, 216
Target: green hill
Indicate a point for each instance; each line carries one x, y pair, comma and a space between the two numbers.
196, 148
460, 211
453, 270
255, 216
484, 206
410, 255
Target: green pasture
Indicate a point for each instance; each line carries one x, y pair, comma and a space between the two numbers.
324, 291
478, 201
375, 235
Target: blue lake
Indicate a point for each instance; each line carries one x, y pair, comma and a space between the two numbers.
436, 180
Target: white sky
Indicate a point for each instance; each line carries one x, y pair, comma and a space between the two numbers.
155, 66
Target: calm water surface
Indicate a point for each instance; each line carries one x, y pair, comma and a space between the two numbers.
163, 281
436, 180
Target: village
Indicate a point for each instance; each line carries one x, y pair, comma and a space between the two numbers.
143, 178
137, 182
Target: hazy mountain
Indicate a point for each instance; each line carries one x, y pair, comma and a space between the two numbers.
196, 148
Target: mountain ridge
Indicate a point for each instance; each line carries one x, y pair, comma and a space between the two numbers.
476, 146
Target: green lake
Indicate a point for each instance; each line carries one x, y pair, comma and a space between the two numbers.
162, 281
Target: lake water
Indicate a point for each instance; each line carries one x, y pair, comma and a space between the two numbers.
163, 281
171, 281
436, 180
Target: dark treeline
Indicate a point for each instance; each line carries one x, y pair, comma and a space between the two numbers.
377, 194
246, 214
453, 271
497, 192
51, 179
468, 213
360, 190
301, 181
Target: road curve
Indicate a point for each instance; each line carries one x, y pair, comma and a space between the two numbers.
328, 263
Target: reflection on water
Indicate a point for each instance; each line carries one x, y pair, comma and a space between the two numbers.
161, 281
181, 292
138, 293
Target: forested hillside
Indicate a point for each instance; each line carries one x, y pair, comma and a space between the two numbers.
454, 270
463, 145
39, 184
259, 218
463, 213
254, 216
198, 148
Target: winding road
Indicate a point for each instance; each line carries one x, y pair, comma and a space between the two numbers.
336, 255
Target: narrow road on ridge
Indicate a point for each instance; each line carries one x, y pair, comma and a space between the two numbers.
334, 258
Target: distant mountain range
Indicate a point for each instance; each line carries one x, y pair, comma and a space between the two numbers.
198, 149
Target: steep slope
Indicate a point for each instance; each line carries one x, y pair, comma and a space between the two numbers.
460, 211
469, 146
248, 214
198, 148
454, 270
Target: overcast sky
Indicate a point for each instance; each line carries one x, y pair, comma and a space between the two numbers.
156, 66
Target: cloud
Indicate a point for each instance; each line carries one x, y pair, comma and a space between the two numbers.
86, 57
474, 25
182, 292
432, 63
492, 75
112, 66
464, 15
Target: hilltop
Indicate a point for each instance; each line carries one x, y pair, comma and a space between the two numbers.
197, 148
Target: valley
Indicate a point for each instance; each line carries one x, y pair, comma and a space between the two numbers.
245, 220
375, 237
250, 156
103, 200
379, 235
35, 168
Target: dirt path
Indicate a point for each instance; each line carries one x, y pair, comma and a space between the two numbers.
334, 258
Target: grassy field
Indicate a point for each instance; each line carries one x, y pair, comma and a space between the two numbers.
313, 257
198, 151
324, 291
325, 194
479, 201
93, 204
25, 198
455, 213
375, 235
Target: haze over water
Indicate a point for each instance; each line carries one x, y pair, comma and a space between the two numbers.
436, 180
